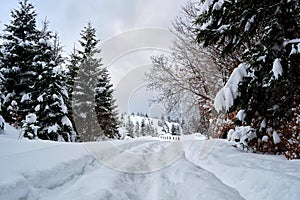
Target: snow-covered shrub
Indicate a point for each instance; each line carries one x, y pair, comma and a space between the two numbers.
30, 127
241, 136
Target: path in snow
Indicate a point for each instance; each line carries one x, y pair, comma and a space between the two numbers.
142, 169
179, 180
87, 178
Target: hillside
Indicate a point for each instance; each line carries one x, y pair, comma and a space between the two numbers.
132, 126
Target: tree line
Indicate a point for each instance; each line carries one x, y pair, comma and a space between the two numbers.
49, 96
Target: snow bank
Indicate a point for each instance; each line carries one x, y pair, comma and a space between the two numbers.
199, 136
255, 176
29, 167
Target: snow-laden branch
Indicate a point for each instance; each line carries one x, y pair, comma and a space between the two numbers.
226, 96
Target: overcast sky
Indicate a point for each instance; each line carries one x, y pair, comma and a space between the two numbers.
117, 22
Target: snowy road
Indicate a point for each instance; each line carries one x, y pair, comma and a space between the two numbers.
179, 180
142, 169
86, 176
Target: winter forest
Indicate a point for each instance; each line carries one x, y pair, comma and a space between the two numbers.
233, 76
37, 83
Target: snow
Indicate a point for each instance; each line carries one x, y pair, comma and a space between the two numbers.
64, 108
294, 50
66, 121
40, 98
276, 138
1, 120
241, 135
54, 128
226, 96
255, 176
265, 138
57, 70
263, 124
241, 115
37, 108
248, 24
25, 97
293, 41
277, 68
201, 169
31, 118
205, 6
218, 5
199, 136
14, 103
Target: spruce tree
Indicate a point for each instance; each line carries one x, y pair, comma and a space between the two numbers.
129, 126
50, 107
72, 72
83, 97
19, 74
267, 32
137, 129
73, 67
143, 127
105, 105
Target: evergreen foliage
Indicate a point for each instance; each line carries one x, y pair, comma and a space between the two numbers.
84, 86
51, 107
105, 105
33, 83
93, 104
268, 34
18, 52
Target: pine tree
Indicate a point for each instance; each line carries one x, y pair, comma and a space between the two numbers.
137, 129
19, 74
143, 127
84, 85
72, 72
73, 67
173, 130
267, 32
2, 90
50, 107
129, 126
105, 105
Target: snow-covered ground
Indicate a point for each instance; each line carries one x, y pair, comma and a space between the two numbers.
198, 169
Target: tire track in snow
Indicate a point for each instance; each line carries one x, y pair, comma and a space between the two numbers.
179, 180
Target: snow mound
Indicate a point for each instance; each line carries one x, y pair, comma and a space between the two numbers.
254, 176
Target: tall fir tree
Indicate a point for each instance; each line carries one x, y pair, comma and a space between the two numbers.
51, 101
18, 52
83, 97
94, 111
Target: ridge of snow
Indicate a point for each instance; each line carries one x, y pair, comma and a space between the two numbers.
255, 176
